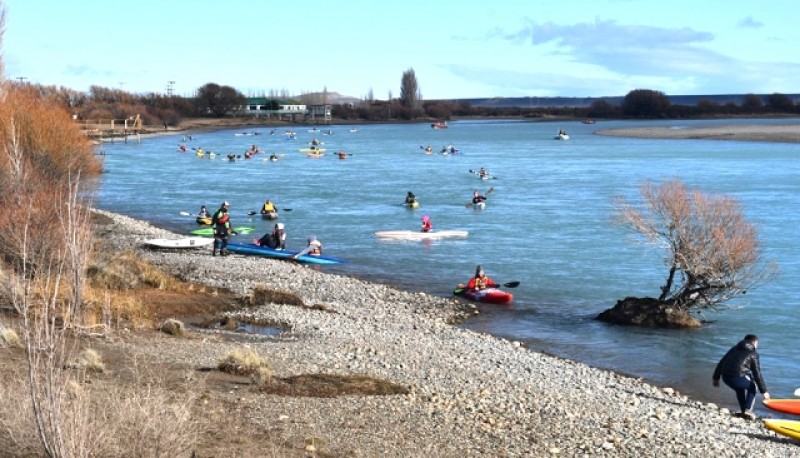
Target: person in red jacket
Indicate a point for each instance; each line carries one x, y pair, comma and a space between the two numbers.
426, 223
480, 280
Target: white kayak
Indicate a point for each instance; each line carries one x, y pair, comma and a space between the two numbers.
418, 235
186, 242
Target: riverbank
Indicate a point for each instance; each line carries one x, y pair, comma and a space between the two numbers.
783, 133
468, 394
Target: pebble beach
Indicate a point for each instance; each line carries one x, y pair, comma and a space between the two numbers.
470, 394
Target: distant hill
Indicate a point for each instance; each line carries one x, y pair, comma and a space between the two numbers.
583, 102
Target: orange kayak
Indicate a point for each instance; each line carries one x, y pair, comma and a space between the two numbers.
784, 405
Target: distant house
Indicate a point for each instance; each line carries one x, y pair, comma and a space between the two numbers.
262, 106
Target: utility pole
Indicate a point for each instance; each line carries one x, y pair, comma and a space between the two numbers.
21, 79
170, 85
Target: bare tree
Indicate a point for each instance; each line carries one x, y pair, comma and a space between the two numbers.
713, 252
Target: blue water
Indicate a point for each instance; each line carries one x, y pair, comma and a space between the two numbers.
548, 224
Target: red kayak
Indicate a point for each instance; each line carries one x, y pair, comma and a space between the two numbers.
488, 295
784, 405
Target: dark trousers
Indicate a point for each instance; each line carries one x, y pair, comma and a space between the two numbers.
745, 390
220, 242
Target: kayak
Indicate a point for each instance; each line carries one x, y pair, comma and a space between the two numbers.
312, 150
418, 235
783, 405
488, 295
203, 221
790, 428
209, 231
269, 215
186, 242
253, 249
414, 204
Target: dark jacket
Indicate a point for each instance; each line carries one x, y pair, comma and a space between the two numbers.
741, 360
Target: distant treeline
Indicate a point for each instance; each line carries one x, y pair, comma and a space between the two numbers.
213, 100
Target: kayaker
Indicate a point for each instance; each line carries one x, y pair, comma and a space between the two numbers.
269, 209
740, 370
222, 228
203, 213
410, 198
426, 223
483, 173
273, 157
480, 280
314, 248
275, 239
477, 197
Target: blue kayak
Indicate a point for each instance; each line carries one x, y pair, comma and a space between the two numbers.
252, 248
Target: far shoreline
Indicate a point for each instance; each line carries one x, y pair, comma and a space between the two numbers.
772, 133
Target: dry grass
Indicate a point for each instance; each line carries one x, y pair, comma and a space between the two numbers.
173, 327
331, 385
262, 295
9, 338
244, 362
125, 271
90, 361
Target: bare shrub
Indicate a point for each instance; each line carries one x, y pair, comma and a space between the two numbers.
242, 362
173, 327
713, 252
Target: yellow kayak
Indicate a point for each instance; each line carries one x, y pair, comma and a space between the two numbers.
790, 428
414, 204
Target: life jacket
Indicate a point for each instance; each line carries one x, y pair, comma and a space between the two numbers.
317, 248
269, 207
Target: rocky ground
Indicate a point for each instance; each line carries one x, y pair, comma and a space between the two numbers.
465, 394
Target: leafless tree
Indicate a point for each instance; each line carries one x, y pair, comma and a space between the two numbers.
713, 252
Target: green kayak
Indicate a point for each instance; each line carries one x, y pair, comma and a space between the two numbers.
209, 231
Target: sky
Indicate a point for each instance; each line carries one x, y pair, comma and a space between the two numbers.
457, 49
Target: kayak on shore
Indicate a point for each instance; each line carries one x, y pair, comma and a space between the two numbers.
258, 250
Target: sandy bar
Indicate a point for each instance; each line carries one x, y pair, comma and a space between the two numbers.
778, 133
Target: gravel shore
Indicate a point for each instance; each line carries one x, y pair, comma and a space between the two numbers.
783, 133
471, 394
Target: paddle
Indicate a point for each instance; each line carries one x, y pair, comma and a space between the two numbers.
511, 284
797, 392
253, 213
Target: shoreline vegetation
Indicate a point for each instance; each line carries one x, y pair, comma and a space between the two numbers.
356, 368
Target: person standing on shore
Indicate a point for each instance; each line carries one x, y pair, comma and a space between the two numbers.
740, 369
222, 228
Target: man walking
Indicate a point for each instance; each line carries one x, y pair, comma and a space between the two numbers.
740, 370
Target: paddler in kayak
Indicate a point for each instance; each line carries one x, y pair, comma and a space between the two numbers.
480, 280
411, 199
477, 198
203, 217
426, 223
314, 248
268, 210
